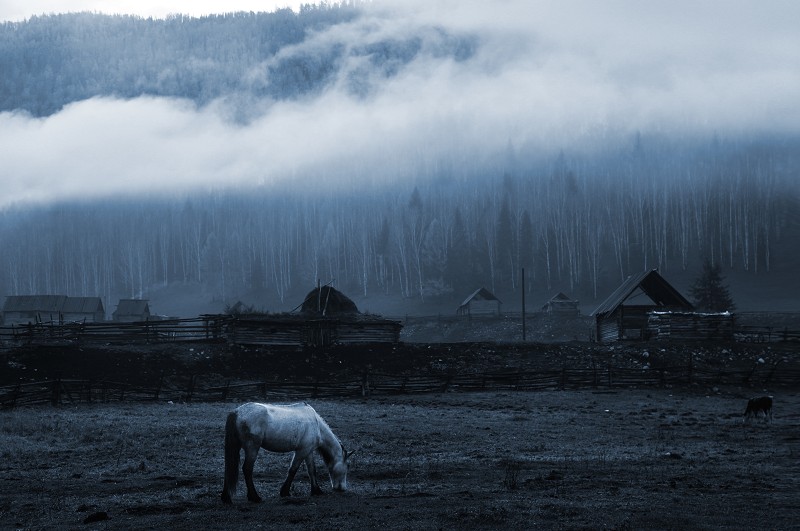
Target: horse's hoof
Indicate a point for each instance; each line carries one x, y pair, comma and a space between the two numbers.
255, 498
284, 493
226, 498
317, 492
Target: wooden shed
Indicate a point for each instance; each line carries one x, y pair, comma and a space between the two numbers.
625, 313
480, 302
561, 306
24, 309
87, 309
131, 311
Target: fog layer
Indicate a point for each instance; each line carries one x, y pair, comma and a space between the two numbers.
539, 76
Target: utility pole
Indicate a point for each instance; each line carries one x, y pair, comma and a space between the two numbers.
523, 303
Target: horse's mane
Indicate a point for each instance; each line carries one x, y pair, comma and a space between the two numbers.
327, 456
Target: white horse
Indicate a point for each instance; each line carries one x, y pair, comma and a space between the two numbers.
291, 428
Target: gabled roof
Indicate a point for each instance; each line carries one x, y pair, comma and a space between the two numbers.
132, 307
481, 294
653, 285
34, 303
561, 297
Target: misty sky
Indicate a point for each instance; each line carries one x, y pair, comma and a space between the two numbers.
546, 76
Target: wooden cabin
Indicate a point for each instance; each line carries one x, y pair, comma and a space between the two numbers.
131, 311
25, 309
33, 309
625, 313
561, 306
83, 309
480, 302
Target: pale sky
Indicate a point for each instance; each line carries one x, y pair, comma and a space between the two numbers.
17, 10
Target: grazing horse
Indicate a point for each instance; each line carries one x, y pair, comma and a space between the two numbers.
759, 404
277, 428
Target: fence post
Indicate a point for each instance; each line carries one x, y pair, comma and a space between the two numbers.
771, 372
14, 395
190, 390
365, 382
55, 392
158, 389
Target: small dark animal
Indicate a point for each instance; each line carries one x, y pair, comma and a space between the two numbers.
758, 404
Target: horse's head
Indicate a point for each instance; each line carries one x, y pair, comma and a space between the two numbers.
338, 471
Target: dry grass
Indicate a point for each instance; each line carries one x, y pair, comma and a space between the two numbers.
570, 459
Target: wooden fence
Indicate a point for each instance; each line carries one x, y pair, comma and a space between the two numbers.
746, 327
268, 331
197, 329
376, 383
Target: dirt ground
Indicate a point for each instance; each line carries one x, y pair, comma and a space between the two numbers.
627, 459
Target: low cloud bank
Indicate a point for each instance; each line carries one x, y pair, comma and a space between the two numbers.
543, 76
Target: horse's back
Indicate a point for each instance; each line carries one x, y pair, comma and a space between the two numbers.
277, 427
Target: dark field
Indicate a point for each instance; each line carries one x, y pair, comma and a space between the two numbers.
623, 459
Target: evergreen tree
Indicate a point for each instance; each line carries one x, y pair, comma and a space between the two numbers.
504, 245
709, 291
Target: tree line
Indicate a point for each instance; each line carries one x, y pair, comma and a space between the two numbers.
578, 222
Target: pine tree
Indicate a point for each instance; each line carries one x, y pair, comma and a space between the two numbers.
709, 291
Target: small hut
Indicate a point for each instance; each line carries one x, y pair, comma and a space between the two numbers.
625, 313
561, 306
131, 311
480, 302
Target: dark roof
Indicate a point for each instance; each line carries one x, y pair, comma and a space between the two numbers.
481, 294
132, 307
38, 303
653, 285
52, 304
327, 301
82, 305
561, 297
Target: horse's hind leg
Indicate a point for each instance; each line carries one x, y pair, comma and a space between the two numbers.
250, 454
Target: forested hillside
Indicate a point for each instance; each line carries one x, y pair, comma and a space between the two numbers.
50, 61
421, 224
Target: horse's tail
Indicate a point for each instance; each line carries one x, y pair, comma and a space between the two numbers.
232, 446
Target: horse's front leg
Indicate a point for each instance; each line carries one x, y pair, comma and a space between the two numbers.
250, 454
297, 460
312, 474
